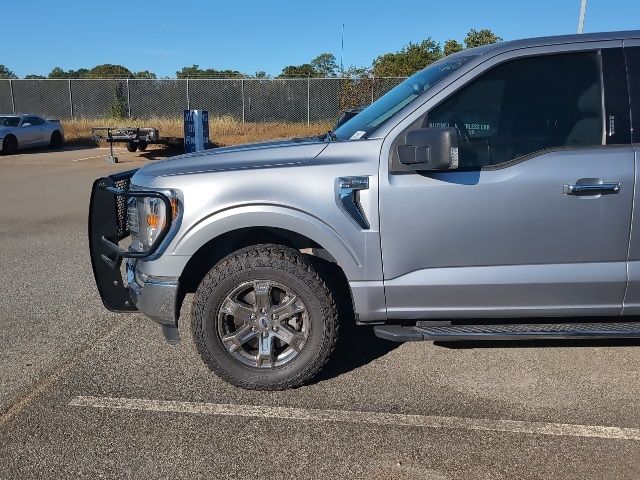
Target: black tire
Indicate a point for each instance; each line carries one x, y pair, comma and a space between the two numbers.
142, 146
56, 140
9, 145
131, 146
265, 263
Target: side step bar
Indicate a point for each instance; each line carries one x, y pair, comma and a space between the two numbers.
553, 331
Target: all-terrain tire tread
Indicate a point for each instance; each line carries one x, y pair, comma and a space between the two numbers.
279, 257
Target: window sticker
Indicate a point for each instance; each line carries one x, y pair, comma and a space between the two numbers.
359, 134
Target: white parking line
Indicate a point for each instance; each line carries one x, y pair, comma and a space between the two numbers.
122, 152
351, 416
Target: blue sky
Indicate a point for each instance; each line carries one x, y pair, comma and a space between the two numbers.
251, 35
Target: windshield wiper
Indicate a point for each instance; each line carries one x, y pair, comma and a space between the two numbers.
330, 135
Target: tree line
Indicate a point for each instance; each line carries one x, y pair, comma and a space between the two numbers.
406, 61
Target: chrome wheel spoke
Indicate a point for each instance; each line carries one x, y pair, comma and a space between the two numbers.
236, 339
241, 313
262, 292
265, 350
288, 309
290, 337
263, 323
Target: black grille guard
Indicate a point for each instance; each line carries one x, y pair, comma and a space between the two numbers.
107, 227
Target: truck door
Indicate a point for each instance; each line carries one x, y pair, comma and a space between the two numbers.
536, 219
632, 297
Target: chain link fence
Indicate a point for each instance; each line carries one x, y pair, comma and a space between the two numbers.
295, 100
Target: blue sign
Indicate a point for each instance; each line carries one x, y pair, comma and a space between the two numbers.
196, 130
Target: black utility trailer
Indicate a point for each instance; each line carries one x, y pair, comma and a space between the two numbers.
135, 138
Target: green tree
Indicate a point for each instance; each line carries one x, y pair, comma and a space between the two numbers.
325, 65
452, 46
476, 38
304, 70
261, 74
58, 72
118, 108
109, 70
6, 73
145, 74
194, 71
411, 58
357, 72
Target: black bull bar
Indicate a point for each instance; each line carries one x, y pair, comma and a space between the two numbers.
107, 227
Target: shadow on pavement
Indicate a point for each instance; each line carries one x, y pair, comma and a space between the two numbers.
357, 345
46, 150
161, 153
169, 151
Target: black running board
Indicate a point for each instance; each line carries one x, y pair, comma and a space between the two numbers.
550, 331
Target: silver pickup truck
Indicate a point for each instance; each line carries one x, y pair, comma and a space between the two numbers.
495, 186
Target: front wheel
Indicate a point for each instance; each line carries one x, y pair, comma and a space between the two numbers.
263, 319
10, 145
132, 146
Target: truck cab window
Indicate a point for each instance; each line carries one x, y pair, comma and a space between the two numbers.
524, 106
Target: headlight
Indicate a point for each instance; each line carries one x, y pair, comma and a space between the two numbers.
146, 218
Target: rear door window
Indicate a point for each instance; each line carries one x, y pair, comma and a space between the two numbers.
632, 55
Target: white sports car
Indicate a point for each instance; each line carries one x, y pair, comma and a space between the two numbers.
24, 130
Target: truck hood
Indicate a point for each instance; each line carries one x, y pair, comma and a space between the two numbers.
252, 155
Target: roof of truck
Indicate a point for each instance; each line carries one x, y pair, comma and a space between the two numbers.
557, 40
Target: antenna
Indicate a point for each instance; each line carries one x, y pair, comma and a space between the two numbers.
342, 51
583, 9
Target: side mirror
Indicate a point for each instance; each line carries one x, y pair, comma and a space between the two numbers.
26, 125
430, 149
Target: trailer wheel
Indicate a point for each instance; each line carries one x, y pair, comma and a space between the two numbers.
142, 146
131, 147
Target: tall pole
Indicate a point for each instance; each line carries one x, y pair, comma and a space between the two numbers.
342, 51
583, 9
71, 100
13, 100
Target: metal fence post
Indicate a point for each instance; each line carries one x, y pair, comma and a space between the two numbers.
308, 100
242, 89
70, 99
128, 101
188, 96
13, 102
373, 86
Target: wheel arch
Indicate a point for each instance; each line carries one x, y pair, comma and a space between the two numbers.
210, 253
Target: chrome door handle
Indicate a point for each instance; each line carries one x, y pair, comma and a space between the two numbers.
592, 189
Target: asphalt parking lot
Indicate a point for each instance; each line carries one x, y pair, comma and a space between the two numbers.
89, 394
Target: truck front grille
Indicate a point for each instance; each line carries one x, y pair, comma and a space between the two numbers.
121, 208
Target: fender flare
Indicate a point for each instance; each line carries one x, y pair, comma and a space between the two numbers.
269, 215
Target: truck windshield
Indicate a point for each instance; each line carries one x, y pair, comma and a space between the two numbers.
382, 109
9, 121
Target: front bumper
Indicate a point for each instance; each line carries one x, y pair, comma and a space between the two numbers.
156, 297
